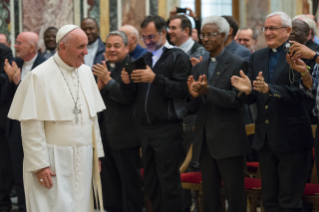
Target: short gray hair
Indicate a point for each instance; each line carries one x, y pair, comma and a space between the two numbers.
121, 34
255, 32
221, 23
285, 19
311, 23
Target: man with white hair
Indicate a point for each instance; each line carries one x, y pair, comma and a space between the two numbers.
312, 32
283, 136
57, 104
218, 112
135, 50
26, 47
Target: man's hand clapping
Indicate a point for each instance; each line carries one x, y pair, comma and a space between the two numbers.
242, 83
12, 71
102, 73
197, 87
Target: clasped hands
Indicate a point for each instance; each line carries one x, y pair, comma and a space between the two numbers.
13, 72
243, 83
138, 76
197, 87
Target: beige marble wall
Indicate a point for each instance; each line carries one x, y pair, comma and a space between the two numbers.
39, 15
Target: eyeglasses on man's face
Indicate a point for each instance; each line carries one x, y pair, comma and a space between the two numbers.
208, 35
150, 37
265, 29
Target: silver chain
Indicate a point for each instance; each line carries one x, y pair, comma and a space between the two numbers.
77, 98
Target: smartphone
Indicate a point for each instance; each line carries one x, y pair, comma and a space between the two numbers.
137, 64
180, 10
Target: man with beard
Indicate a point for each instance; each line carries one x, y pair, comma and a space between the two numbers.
49, 41
160, 90
26, 47
248, 37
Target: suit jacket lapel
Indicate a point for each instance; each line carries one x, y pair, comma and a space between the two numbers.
279, 67
222, 65
264, 68
36, 63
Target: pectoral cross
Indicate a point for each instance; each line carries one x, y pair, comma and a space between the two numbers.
76, 112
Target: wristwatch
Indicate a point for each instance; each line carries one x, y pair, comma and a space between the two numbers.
315, 57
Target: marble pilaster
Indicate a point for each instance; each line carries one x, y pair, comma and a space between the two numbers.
5, 20
153, 7
39, 15
113, 15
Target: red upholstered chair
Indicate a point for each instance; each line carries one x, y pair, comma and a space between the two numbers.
311, 192
252, 167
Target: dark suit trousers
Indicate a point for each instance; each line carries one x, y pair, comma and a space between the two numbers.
228, 170
6, 173
121, 180
162, 149
283, 178
15, 144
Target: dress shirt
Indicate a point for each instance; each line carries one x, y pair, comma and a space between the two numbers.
213, 64
273, 58
138, 52
314, 90
158, 53
48, 53
187, 45
92, 49
27, 67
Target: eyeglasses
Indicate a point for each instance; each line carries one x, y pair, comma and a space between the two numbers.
173, 28
208, 35
264, 29
18, 43
150, 37
245, 40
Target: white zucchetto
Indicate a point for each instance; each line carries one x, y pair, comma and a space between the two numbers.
63, 31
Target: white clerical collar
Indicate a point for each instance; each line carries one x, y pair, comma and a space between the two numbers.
214, 59
93, 45
61, 63
112, 65
274, 50
30, 61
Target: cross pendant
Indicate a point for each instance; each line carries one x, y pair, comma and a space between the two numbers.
76, 112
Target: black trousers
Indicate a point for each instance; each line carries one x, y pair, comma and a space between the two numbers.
162, 147
16, 150
228, 170
6, 173
283, 178
121, 180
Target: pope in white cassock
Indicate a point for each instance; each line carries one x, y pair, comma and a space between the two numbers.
57, 104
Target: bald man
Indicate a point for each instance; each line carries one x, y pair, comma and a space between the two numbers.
135, 50
26, 47
3, 39
315, 39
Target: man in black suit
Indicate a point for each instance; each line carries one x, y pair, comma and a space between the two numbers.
26, 47
283, 136
6, 174
219, 128
121, 176
160, 90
